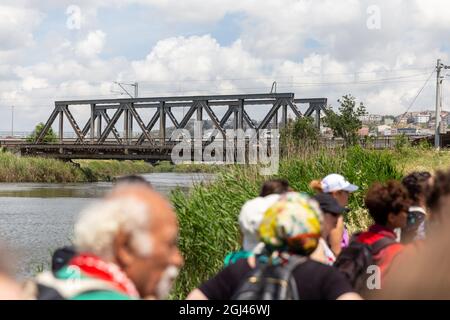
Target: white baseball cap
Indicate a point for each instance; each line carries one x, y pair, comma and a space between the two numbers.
250, 218
336, 182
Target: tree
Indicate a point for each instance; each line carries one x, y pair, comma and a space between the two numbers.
346, 124
50, 136
297, 134
304, 129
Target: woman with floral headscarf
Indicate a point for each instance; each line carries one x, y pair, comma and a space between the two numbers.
290, 228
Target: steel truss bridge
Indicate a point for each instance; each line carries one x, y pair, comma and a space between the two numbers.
99, 137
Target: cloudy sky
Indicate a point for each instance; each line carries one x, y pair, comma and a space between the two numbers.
382, 52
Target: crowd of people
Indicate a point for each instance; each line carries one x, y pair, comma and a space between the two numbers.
294, 246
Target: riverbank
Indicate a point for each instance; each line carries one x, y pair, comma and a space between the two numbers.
45, 170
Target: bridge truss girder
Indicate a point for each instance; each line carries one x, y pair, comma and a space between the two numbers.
94, 132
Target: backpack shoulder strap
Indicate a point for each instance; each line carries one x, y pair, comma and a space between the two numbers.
379, 245
286, 274
294, 262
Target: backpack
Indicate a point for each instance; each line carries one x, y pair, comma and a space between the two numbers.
357, 257
271, 282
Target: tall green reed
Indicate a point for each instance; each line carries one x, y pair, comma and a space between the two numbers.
208, 213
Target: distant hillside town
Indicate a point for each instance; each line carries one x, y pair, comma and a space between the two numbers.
420, 123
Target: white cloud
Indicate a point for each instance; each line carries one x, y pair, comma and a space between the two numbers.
16, 26
314, 48
198, 62
432, 14
92, 45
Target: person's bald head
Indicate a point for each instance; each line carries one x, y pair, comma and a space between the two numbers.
136, 228
159, 207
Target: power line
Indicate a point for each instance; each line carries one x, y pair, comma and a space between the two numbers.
260, 78
417, 95
287, 76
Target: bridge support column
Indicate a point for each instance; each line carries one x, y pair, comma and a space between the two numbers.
284, 115
61, 129
130, 126
126, 124
162, 124
99, 125
199, 112
275, 120
240, 114
92, 129
317, 109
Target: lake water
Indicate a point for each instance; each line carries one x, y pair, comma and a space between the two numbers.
36, 218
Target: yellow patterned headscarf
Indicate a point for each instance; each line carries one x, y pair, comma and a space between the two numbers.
292, 224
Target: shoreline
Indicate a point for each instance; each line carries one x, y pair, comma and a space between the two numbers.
14, 169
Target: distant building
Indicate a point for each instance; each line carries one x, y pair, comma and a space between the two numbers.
384, 130
422, 118
407, 131
402, 120
363, 132
371, 118
364, 118
388, 121
424, 132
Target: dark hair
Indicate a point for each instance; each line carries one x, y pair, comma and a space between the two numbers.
382, 199
132, 179
61, 257
438, 189
416, 183
275, 186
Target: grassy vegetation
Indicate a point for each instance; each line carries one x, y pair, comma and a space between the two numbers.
421, 159
17, 169
35, 169
208, 214
106, 170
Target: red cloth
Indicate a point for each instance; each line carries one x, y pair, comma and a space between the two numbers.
93, 267
385, 257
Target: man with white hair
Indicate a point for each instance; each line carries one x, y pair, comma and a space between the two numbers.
126, 249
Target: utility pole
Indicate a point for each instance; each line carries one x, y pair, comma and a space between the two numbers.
136, 89
439, 79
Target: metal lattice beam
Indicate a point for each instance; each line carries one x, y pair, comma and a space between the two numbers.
128, 108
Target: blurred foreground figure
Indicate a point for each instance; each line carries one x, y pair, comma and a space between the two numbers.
126, 249
422, 270
369, 257
9, 289
340, 189
290, 230
417, 184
